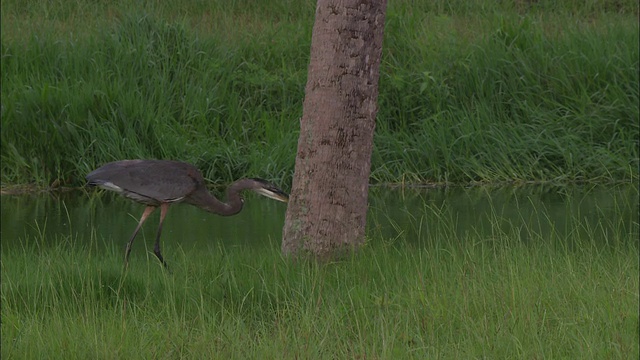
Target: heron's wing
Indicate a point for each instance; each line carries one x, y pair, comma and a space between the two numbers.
148, 181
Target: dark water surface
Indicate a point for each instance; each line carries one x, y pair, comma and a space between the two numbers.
407, 214
535, 211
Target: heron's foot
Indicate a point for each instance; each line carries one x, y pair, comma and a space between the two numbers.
156, 251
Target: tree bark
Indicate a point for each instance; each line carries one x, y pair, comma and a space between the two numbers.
328, 204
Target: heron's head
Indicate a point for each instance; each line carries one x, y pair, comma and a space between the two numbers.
269, 190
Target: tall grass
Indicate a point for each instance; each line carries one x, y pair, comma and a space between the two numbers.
508, 290
469, 91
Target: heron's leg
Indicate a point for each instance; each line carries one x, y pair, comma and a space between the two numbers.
156, 249
147, 211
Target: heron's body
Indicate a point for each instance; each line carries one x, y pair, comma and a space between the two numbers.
158, 183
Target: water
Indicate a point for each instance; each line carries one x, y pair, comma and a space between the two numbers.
112, 219
537, 211
407, 214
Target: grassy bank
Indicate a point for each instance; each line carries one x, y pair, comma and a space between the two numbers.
517, 293
469, 91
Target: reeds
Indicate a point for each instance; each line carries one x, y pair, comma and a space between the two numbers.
469, 91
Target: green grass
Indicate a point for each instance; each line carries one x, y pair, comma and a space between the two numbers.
469, 91
507, 290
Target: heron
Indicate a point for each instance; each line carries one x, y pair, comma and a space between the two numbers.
160, 183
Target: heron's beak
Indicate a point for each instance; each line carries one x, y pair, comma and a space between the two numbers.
274, 194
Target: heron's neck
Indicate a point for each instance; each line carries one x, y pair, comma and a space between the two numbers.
232, 206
